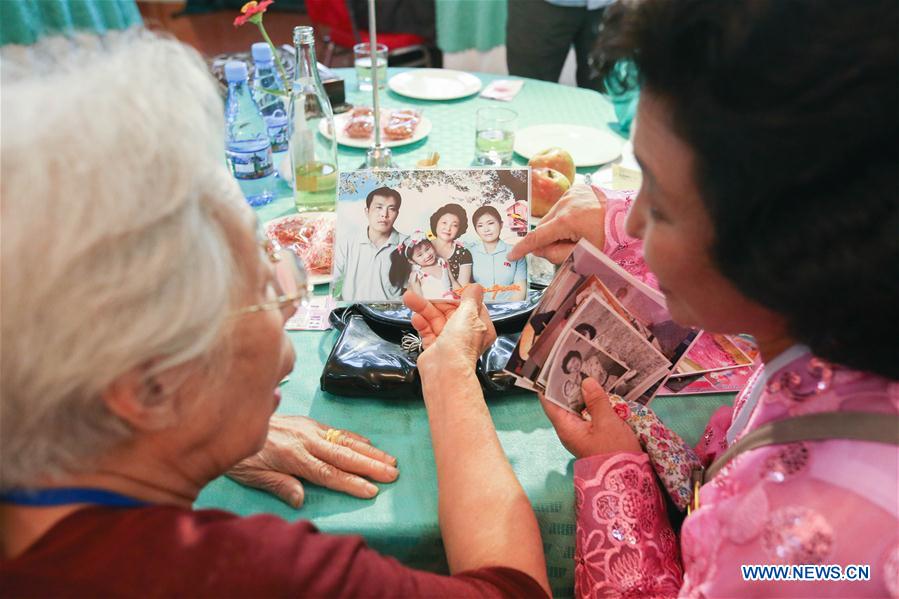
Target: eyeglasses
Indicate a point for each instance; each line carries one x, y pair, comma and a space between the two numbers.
289, 282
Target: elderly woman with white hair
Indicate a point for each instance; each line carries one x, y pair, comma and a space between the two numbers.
143, 344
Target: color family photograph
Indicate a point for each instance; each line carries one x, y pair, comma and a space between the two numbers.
430, 231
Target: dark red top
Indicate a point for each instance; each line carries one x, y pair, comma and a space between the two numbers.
166, 551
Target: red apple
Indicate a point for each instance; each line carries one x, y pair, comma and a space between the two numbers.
547, 186
555, 158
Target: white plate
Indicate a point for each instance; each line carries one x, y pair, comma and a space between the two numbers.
340, 121
316, 278
588, 146
434, 84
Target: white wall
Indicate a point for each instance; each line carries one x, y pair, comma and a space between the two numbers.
494, 62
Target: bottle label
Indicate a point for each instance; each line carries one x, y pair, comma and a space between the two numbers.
278, 131
251, 165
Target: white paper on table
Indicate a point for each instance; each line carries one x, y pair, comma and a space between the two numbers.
502, 89
313, 315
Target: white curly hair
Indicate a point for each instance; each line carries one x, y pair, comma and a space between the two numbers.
115, 252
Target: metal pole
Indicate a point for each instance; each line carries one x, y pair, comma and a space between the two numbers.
373, 54
377, 155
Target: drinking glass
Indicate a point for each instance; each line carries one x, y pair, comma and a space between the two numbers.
363, 63
494, 136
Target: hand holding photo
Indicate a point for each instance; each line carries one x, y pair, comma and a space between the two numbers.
624, 317
576, 359
606, 329
431, 231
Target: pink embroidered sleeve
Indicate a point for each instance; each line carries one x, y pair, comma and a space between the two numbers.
627, 251
624, 545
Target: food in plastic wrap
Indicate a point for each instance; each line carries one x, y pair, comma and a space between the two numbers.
402, 124
361, 124
312, 239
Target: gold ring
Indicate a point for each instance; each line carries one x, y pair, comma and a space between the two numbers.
334, 435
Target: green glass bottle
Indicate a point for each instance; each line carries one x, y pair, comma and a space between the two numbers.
313, 157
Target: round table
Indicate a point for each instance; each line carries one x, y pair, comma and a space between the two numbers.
402, 519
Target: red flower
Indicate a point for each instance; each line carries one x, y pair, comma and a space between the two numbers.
621, 410
250, 11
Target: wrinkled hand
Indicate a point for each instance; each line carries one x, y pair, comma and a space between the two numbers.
604, 433
452, 331
580, 213
296, 447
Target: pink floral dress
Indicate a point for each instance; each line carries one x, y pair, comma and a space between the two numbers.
824, 502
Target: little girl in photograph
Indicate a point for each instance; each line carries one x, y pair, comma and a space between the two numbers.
415, 265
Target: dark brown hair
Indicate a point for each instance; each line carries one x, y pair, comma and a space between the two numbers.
384, 192
791, 108
454, 209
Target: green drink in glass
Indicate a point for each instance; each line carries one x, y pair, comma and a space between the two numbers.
494, 136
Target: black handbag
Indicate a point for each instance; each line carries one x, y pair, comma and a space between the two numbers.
369, 359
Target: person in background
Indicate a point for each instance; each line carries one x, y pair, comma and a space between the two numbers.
539, 34
769, 207
144, 361
490, 266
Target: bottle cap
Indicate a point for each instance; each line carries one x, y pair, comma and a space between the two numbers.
235, 71
262, 52
303, 35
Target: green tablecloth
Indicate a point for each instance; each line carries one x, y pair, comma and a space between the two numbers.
402, 520
25, 21
470, 24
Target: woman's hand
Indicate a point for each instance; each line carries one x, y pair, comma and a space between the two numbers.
579, 214
458, 333
604, 433
297, 447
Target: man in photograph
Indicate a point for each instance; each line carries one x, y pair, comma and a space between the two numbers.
362, 261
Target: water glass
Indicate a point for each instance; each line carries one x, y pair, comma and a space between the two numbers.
494, 136
362, 60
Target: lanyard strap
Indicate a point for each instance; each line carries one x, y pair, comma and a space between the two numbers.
853, 426
822, 426
68, 495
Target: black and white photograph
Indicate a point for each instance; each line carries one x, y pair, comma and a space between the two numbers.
576, 359
430, 231
600, 324
565, 283
643, 302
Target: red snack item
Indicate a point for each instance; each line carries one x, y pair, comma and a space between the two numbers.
360, 127
310, 239
402, 124
407, 114
361, 124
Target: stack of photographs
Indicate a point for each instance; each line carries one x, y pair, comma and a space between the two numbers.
596, 320
714, 364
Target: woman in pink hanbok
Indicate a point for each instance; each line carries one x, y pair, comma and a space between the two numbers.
768, 139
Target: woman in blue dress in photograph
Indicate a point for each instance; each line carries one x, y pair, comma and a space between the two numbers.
490, 265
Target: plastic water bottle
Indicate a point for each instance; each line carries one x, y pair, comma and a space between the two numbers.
247, 145
272, 107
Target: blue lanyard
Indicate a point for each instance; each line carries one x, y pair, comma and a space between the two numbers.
68, 495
